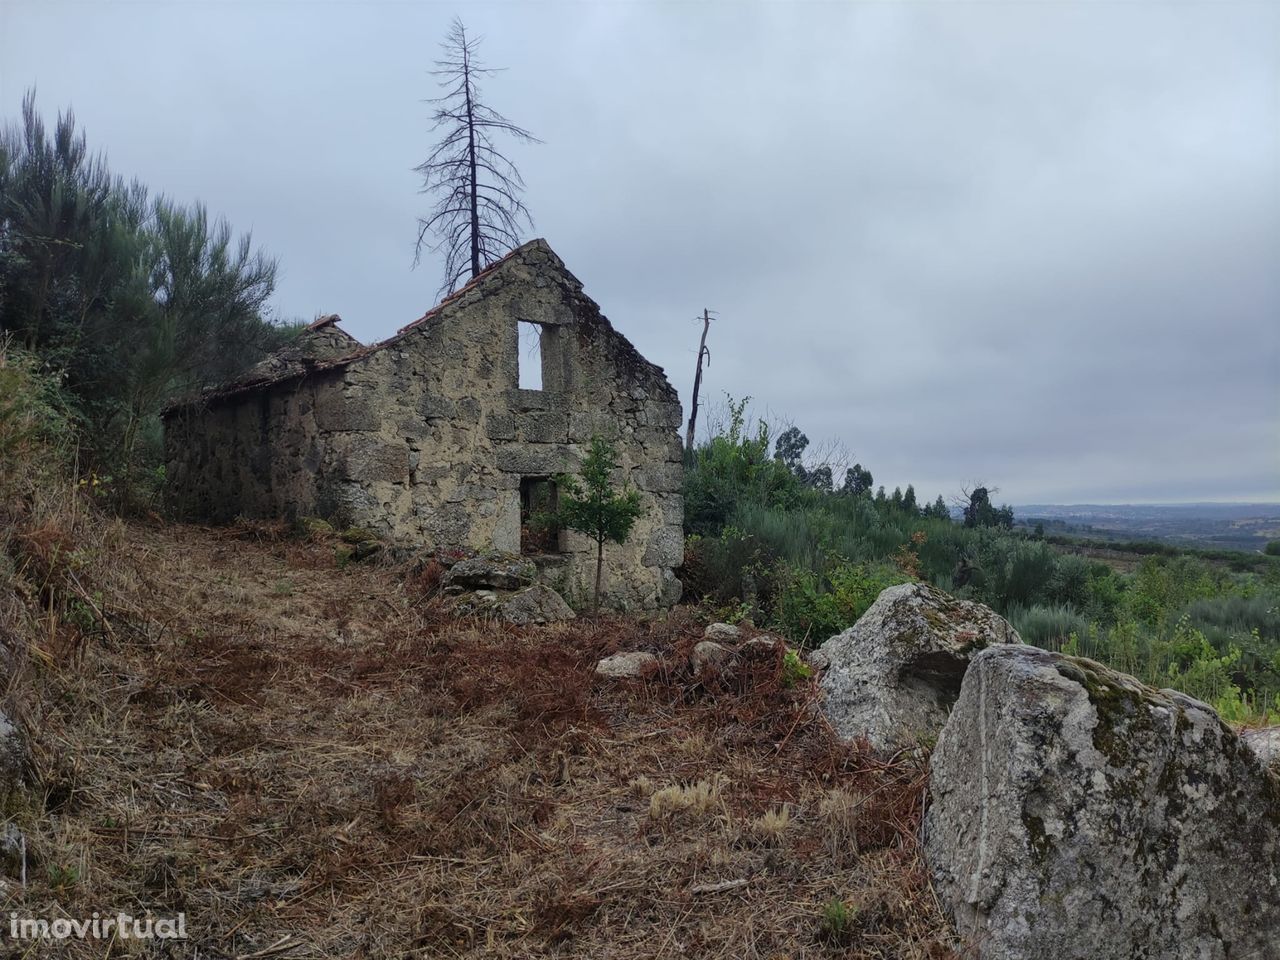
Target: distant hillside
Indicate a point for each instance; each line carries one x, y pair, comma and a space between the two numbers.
1219, 526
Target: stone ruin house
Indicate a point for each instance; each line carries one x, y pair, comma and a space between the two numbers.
428, 439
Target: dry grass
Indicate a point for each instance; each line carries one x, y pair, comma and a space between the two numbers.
337, 769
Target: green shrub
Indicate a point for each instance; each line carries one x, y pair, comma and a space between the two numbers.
794, 669
1104, 594
836, 923
809, 609
1069, 582
732, 469
808, 563
36, 433
1243, 615
722, 569
1197, 669
1049, 627
1161, 588
1014, 572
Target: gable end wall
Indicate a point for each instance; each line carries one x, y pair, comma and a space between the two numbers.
426, 439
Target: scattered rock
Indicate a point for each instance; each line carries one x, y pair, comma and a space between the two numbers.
893, 676
728, 662
1077, 813
1265, 742
707, 654
13, 757
13, 850
762, 647
317, 527
351, 549
495, 572
536, 604
722, 632
477, 603
625, 665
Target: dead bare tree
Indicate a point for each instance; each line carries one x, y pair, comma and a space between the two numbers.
703, 352
478, 214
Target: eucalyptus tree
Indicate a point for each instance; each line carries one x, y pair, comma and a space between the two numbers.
478, 213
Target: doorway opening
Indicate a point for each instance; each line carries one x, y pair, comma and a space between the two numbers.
539, 533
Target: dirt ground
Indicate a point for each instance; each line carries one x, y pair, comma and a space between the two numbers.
310, 761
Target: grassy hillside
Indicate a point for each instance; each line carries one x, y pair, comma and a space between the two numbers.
314, 759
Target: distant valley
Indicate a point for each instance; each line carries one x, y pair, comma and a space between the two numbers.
1207, 526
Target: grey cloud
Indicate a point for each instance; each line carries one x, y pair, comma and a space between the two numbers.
1027, 243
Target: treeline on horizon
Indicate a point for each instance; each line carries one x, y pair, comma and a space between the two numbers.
775, 541
125, 299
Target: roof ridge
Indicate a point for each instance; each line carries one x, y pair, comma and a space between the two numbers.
464, 288
361, 351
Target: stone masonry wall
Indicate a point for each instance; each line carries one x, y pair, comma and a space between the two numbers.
426, 437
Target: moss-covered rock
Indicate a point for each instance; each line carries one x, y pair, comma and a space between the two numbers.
317, 527
1265, 743
1077, 813
535, 604
492, 572
892, 677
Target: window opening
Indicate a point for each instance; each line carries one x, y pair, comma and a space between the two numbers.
530, 355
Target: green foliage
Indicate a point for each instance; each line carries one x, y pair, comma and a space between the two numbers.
1050, 627
1164, 587
63, 878
36, 433
837, 921
127, 301
794, 669
594, 507
858, 482
733, 469
812, 608
980, 512
808, 563
938, 510
789, 449
1272, 548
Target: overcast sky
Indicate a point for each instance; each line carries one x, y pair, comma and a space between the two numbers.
1034, 244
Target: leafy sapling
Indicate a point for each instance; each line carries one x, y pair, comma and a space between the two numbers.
593, 506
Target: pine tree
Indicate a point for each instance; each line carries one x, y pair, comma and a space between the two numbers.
594, 507
478, 214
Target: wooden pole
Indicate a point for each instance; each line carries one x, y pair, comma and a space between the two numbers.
697, 381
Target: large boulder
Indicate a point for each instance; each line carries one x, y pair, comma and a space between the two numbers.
892, 677
1076, 813
1265, 742
495, 572
722, 632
